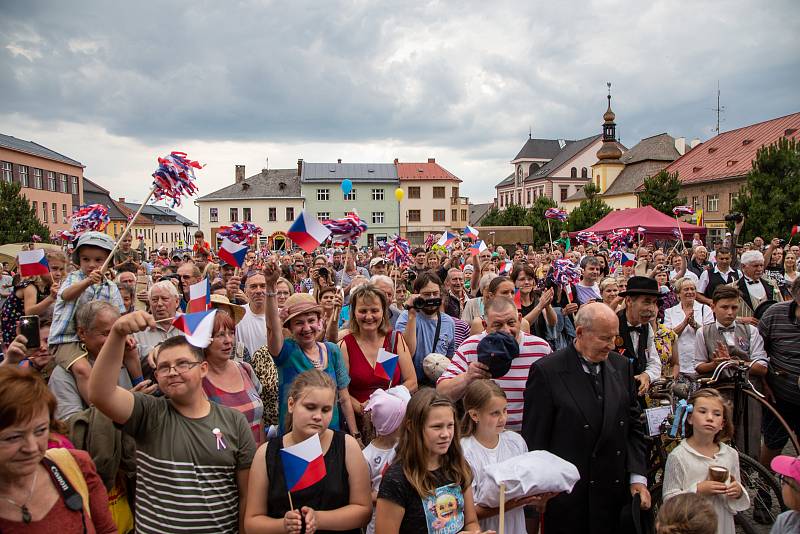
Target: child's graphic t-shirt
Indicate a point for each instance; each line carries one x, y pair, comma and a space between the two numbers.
440, 513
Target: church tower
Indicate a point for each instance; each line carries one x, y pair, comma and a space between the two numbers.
608, 165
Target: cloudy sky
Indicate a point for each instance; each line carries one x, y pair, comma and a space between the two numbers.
114, 84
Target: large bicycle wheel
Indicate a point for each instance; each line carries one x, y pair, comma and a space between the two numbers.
767, 406
656, 500
764, 489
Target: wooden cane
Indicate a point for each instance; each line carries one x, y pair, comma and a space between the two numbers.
502, 527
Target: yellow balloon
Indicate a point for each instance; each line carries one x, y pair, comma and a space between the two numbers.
399, 193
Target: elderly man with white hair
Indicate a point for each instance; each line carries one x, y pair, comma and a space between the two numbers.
164, 300
386, 284
699, 261
754, 289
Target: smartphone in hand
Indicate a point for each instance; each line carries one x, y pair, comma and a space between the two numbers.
29, 327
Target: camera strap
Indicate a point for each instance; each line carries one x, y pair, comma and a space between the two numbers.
438, 331
72, 499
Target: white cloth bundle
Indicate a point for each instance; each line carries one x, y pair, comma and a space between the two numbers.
529, 474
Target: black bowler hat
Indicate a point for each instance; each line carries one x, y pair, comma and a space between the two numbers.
634, 520
497, 350
640, 285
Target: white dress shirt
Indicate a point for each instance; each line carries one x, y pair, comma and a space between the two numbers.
757, 351
702, 284
653, 368
756, 291
686, 341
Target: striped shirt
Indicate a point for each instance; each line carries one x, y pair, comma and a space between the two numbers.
531, 348
185, 473
64, 329
780, 329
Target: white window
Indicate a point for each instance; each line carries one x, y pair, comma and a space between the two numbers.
74, 185
64, 212
7, 171
51, 181
247, 214
377, 194
37, 178
213, 214
234, 215
272, 214
351, 195
290, 213
64, 182
44, 212
23, 176
377, 217
323, 194
713, 202
323, 215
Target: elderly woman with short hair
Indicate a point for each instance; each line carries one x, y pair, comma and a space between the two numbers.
685, 319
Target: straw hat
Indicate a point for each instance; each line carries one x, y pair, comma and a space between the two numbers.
221, 302
298, 304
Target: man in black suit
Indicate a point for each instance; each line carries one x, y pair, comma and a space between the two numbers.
580, 404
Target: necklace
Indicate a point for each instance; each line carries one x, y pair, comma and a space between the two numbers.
316, 363
26, 515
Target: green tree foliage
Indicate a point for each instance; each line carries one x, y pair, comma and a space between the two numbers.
661, 192
770, 200
18, 221
590, 210
537, 220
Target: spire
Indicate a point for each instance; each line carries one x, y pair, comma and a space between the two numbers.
610, 149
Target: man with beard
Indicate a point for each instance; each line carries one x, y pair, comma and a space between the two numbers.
754, 289
424, 327
164, 300
252, 329
581, 405
636, 338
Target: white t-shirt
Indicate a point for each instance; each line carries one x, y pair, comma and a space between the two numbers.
531, 348
378, 461
686, 341
252, 330
478, 457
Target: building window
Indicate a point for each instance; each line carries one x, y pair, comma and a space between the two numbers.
323, 215
64, 182
564, 193
573, 172
414, 216
731, 199
377, 217
7, 174
35, 206
696, 203
584, 173
213, 214
63, 213
439, 215
453, 215
323, 194
463, 215
272, 214
290, 213
234, 215
247, 214
455, 192
74, 185
529, 196
44, 212
378, 194
519, 197
23, 176
713, 202
51, 181
438, 192
54, 209
37, 178
413, 192
351, 195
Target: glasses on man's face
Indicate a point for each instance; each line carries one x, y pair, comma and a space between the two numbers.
180, 368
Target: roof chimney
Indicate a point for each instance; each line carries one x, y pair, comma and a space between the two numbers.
122, 200
239, 174
680, 145
339, 161
431, 160
300, 167
695, 142
396, 161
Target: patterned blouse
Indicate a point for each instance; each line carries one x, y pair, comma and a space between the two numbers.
664, 339
247, 400
267, 373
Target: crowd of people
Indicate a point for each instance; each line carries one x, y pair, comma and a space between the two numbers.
112, 421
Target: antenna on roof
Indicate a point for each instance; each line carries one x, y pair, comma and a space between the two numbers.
719, 109
266, 165
530, 132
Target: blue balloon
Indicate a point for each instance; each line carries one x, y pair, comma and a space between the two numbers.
347, 186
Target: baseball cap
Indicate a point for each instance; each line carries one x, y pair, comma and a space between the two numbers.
496, 351
375, 261
788, 466
434, 365
93, 239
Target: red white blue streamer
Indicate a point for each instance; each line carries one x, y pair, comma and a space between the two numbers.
555, 213
682, 210
565, 273
346, 230
174, 178
240, 232
398, 250
588, 238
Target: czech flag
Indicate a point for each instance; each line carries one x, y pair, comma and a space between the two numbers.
628, 259
386, 365
506, 267
32, 262
446, 239
517, 299
471, 232
795, 229
199, 296
232, 253
198, 327
477, 247
303, 464
308, 232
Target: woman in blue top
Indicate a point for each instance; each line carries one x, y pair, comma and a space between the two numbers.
301, 316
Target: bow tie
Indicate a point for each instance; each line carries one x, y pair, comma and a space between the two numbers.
751, 282
723, 329
639, 329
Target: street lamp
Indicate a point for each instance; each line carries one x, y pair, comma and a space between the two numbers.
186, 225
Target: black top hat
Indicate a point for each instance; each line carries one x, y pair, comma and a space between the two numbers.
640, 285
497, 350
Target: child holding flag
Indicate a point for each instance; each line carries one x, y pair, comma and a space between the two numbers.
312, 476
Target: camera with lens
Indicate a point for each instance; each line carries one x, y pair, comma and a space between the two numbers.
411, 275
421, 302
734, 217
323, 272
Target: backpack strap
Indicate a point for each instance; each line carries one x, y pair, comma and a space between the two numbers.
67, 464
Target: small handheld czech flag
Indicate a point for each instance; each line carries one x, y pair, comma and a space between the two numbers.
386, 365
446, 239
477, 247
199, 296
198, 327
628, 259
506, 267
303, 464
471, 232
232, 253
307, 232
33, 262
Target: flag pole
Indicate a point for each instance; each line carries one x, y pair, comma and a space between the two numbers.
550, 232
502, 527
127, 229
680, 230
291, 506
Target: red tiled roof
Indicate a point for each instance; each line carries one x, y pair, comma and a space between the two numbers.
424, 171
731, 153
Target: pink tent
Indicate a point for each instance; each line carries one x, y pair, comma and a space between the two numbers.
656, 224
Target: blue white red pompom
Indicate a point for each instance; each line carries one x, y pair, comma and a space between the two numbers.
555, 213
240, 232
398, 250
347, 229
174, 178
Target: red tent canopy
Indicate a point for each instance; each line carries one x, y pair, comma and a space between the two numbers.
656, 224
